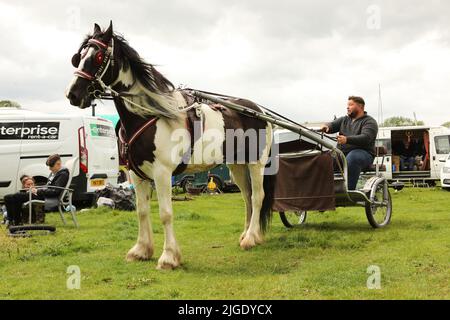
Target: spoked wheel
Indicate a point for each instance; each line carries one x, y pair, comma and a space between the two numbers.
379, 213
293, 219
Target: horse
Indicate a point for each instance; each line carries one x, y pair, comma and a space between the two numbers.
160, 139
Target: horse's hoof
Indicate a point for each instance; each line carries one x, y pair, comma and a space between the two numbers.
139, 253
247, 243
250, 241
168, 261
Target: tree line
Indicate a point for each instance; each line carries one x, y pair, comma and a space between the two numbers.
390, 122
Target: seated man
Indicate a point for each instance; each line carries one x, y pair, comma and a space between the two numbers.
356, 139
58, 177
407, 157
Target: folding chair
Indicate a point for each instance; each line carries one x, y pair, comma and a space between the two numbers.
64, 200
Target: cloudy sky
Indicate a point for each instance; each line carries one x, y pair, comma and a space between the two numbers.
300, 58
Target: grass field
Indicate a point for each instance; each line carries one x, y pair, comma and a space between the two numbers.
326, 259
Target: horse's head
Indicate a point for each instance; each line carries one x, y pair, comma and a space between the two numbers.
95, 63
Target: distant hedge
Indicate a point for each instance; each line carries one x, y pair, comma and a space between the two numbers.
9, 104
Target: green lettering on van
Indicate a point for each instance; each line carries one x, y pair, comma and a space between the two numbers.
99, 130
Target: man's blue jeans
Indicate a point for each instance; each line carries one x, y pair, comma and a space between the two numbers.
357, 160
407, 163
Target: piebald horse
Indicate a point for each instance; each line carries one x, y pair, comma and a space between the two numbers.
157, 124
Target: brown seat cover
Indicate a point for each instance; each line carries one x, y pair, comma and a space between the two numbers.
305, 183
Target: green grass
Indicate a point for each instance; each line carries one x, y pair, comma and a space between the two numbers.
326, 259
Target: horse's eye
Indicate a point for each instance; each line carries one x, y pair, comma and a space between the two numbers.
99, 56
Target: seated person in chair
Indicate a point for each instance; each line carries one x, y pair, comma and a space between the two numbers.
27, 182
58, 177
356, 139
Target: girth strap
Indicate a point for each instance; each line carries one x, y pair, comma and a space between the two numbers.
126, 146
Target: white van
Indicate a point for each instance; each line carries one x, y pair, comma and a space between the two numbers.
432, 143
27, 138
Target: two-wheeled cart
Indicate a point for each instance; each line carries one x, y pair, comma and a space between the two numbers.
312, 172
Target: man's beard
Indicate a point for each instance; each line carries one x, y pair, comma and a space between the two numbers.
352, 114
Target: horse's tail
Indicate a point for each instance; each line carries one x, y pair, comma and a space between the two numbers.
265, 216
266, 209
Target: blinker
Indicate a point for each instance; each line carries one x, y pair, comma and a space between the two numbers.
99, 56
76, 59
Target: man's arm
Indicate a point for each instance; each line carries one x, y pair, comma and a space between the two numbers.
60, 181
335, 125
367, 136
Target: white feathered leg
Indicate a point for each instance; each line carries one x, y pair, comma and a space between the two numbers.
240, 176
171, 256
254, 235
143, 249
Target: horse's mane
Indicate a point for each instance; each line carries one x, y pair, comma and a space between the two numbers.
144, 72
158, 96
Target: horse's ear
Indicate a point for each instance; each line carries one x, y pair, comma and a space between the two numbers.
97, 28
108, 33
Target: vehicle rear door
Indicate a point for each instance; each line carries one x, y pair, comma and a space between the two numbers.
102, 151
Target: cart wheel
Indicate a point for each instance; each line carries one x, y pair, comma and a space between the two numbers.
293, 219
379, 214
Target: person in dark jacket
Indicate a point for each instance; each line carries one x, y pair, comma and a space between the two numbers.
356, 139
408, 154
59, 177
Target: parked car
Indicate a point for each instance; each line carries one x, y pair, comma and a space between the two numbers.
28, 138
220, 175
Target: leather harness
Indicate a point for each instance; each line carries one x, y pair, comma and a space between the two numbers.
126, 145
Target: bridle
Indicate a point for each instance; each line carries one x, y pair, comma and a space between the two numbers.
104, 58
108, 60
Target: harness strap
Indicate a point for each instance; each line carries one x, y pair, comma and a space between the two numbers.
84, 74
126, 145
125, 148
98, 43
